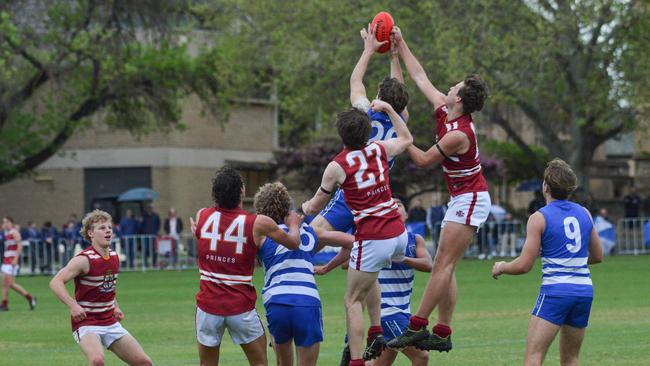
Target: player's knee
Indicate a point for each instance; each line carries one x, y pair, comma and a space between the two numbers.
97, 360
143, 360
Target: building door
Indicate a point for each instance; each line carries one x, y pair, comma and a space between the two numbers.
102, 186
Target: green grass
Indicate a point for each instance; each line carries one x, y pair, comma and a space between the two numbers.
490, 322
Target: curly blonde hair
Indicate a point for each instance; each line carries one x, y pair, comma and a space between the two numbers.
92, 218
273, 200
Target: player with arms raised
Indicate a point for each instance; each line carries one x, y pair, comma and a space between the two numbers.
457, 151
95, 313
11, 265
228, 240
290, 295
361, 170
563, 232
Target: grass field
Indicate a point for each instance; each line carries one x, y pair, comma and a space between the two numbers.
489, 326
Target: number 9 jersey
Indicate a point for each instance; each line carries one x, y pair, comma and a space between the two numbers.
226, 258
565, 250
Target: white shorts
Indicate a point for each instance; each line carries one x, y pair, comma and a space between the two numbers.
107, 333
10, 269
243, 328
470, 208
373, 255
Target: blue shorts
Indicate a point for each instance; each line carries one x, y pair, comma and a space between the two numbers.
394, 325
303, 324
559, 310
338, 214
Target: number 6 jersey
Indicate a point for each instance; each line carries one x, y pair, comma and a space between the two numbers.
565, 249
226, 255
367, 192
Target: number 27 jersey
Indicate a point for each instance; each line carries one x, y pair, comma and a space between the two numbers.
226, 256
367, 192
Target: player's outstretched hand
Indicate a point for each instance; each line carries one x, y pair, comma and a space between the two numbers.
193, 227
321, 270
370, 42
380, 106
496, 269
77, 312
396, 35
118, 314
293, 219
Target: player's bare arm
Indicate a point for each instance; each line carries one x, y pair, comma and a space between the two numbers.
416, 71
453, 143
19, 246
595, 248
76, 267
396, 72
118, 313
422, 261
332, 177
341, 257
266, 226
333, 238
524, 263
404, 139
370, 46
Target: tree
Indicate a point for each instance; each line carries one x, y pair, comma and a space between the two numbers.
578, 70
62, 62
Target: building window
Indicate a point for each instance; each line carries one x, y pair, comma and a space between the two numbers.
253, 179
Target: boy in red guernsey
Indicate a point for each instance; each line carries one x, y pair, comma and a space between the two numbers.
10, 264
228, 240
456, 149
361, 170
95, 313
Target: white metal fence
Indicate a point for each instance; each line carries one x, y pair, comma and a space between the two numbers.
632, 236
136, 253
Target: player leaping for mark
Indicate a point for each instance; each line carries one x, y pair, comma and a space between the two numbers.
95, 313
336, 215
563, 232
228, 240
361, 170
457, 151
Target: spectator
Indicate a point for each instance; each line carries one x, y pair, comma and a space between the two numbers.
435, 215
537, 202
646, 206
149, 228
498, 211
129, 228
33, 235
70, 235
507, 229
487, 238
48, 249
605, 230
417, 213
173, 227
632, 203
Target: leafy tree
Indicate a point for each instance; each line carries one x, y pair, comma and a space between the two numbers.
578, 70
62, 62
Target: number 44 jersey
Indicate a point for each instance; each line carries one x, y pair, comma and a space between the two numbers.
226, 255
367, 192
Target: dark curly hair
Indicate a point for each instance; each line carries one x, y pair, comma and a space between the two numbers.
473, 94
394, 93
227, 188
273, 200
354, 128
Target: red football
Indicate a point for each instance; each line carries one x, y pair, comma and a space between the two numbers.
384, 23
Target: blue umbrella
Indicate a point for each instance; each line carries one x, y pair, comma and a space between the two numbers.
530, 186
138, 194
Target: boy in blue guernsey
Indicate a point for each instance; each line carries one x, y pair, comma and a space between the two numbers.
564, 234
290, 295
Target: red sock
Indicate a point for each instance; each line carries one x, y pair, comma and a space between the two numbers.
4, 303
417, 323
28, 297
357, 362
442, 330
374, 331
